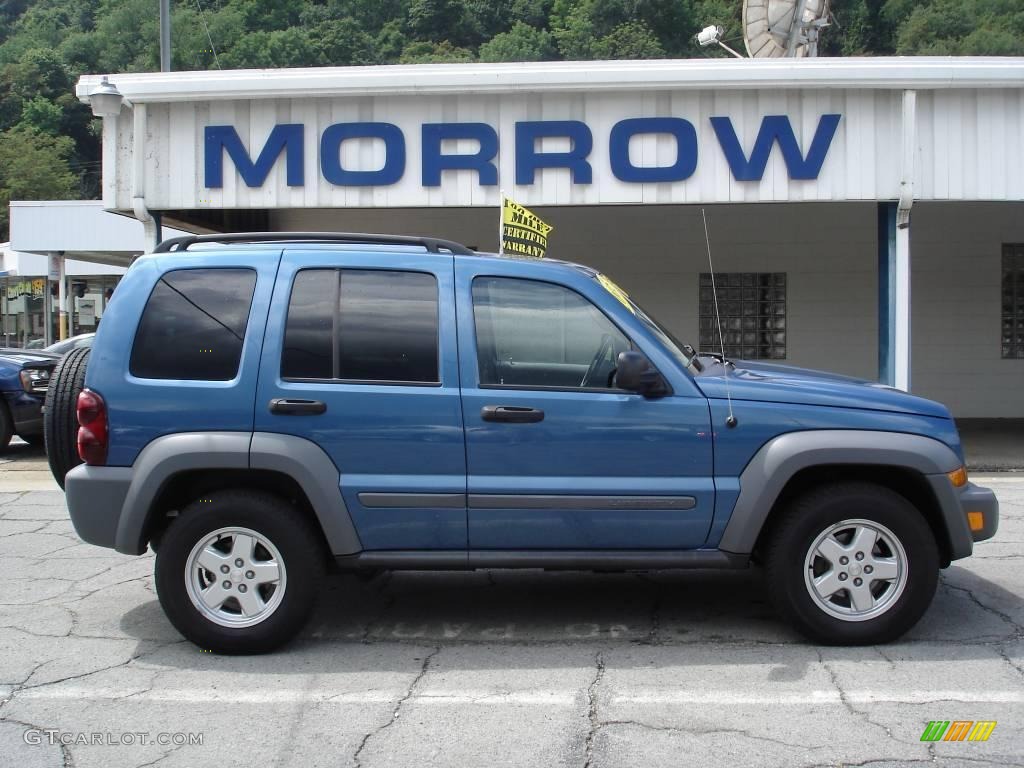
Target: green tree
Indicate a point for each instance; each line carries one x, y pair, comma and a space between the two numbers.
423, 52
521, 43
33, 166
957, 27
42, 115
631, 40
580, 26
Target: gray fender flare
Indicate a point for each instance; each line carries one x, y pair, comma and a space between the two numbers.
303, 461
781, 458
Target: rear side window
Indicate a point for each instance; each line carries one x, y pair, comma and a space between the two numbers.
362, 325
194, 325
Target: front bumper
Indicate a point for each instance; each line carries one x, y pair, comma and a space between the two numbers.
95, 497
26, 411
980, 501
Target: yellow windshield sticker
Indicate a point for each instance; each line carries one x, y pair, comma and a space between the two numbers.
609, 285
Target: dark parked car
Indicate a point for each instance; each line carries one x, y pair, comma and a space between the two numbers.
24, 379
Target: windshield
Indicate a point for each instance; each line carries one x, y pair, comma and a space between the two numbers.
665, 336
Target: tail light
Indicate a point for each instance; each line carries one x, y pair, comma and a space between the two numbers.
92, 428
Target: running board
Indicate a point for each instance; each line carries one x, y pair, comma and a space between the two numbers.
560, 560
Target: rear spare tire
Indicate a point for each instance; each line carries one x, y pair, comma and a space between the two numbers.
60, 421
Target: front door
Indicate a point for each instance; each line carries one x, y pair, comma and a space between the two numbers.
372, 351
557, 458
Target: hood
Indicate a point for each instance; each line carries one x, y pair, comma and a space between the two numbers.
27, 356
771, 383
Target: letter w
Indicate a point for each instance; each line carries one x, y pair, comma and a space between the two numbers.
283, 138
775, 128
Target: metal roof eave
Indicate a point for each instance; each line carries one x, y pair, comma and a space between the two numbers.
881, 73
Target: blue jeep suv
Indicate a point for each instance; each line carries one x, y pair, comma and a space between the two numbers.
258, 406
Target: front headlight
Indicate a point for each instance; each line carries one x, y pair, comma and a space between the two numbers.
35, 380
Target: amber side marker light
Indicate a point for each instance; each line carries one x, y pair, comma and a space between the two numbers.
958, 477
976, 520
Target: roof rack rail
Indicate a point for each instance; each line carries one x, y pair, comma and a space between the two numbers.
432, 244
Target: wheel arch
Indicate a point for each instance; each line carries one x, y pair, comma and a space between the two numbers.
175, 469
912, 465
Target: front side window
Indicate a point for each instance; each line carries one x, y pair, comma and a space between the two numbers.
362, 325
535, 334
194, 325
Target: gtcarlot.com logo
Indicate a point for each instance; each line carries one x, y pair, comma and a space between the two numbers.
958, 730
52, 736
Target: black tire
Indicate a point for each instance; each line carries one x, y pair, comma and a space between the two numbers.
60, 421
810, 516
298, 543
6, 427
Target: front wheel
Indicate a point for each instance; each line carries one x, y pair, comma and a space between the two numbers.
852, 564
238, 571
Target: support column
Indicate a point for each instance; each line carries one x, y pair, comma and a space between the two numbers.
63, 315
901, 318
901, 273
886, 293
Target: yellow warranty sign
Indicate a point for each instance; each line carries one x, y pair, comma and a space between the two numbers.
609, 285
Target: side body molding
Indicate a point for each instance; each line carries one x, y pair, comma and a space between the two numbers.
781, 458
303, 461
307, 464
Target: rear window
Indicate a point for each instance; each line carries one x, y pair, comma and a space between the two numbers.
362, 325
194, 325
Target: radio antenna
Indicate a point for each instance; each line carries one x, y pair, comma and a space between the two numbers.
731, 420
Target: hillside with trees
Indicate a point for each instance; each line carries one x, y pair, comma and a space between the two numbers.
49, 145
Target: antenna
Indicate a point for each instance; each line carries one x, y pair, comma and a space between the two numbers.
730, 422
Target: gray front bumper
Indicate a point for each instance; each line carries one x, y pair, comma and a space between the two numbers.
974, 498
95, 497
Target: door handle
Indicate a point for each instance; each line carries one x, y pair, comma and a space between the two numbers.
513, 414
285, 406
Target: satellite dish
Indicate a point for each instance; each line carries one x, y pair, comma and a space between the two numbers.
779, 28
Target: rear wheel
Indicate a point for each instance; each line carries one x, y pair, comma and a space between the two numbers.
60, 420
852, 564
238, 571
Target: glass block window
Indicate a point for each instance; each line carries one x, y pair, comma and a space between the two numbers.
1013, 301
753, 311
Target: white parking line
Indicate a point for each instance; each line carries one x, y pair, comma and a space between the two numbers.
548, 698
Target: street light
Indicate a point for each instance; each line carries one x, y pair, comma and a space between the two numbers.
105, 99
713, 36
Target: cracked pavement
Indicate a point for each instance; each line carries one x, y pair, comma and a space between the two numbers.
496, 668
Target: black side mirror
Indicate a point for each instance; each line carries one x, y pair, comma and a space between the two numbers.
635, 373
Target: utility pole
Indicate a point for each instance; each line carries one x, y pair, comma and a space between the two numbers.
165, 35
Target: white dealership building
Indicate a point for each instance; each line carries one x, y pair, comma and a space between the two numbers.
866, 215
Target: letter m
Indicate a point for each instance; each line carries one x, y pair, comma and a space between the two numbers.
283, 138
775, 128
982, 730
958, 730
934, 730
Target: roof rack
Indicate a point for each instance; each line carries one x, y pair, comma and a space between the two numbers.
432, 244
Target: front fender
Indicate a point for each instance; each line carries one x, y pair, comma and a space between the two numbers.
781, 458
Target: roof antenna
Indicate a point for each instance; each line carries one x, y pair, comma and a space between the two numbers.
730, 422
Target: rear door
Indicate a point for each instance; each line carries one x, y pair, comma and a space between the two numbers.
360, 358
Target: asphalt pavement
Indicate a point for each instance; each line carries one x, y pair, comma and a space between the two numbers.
491, 668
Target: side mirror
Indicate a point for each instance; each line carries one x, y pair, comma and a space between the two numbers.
635, 373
